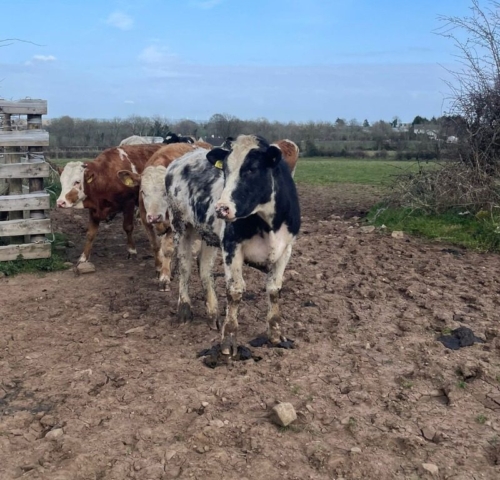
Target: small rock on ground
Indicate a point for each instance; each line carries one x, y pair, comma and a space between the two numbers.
283, 414
431, 468
85, 267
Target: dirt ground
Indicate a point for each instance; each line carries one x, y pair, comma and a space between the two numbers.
95, 382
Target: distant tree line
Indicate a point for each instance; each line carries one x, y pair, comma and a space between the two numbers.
423, 138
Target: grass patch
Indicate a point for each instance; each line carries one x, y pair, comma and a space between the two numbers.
327, 171
43, 265
481, 419
468, 231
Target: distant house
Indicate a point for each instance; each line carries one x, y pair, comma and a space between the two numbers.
452, 139
430, 132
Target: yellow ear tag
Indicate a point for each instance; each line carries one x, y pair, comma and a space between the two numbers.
128, 181
90, 180
218, 164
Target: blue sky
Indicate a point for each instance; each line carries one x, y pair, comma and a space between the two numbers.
287, 60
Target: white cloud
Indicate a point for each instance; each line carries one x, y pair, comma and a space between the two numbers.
120, 20
207, 4
159, 62
156, 55
131, 102
41, 59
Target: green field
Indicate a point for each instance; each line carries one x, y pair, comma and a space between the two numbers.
325, 171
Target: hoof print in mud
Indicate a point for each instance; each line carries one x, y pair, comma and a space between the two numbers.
213, 356
265, 342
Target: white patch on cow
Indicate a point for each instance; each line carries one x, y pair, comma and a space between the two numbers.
72, 178
267, 249
153, 191
123, 154
82, 258
240, 150
134, 170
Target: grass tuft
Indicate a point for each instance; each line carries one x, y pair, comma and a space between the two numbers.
473, 232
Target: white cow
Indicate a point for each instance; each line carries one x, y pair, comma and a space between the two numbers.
139, 140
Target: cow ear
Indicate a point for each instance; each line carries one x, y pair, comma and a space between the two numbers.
273, 156
129, 179
216, 156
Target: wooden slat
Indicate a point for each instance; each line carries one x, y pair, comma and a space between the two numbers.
25, 170
24, 107
30, 226
29, 251
24, 138
31, 201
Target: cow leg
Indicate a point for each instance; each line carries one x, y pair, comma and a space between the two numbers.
128, 226
185, 259
206, 259
165, 254
235, 286
152, 237
91, 234
273, 288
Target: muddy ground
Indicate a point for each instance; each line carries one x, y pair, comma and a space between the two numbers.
95, 382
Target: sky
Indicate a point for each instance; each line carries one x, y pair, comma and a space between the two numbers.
284, 60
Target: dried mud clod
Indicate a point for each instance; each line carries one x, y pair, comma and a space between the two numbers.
263, 341
213, 357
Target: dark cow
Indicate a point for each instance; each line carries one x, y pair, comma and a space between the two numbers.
96, 186
171, 137
243, 201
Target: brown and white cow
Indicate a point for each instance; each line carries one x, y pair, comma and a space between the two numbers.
152, 203
95, 185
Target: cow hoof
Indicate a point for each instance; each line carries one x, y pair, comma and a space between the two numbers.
184, 313
228, 346
164, 286
213, 357
263, 341
213, 323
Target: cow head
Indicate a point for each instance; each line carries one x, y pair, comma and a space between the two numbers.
153, 192
248, 182
171, 137
73, 179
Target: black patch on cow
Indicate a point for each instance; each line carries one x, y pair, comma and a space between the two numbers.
240, 230
186, 172
169, 179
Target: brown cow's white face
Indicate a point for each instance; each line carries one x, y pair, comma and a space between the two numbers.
154, 193
72, 192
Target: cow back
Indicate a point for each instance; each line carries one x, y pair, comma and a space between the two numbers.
104, 190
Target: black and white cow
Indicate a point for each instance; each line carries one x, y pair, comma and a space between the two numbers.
244, 201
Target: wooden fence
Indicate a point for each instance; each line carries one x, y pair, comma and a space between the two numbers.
24, 222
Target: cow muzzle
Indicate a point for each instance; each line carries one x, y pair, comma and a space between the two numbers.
154, 218
62, 204
224, 211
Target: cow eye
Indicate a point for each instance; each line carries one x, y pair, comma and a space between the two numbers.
143, 193
76, 183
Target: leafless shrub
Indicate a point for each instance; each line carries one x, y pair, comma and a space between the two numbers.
449, 185
470, 179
